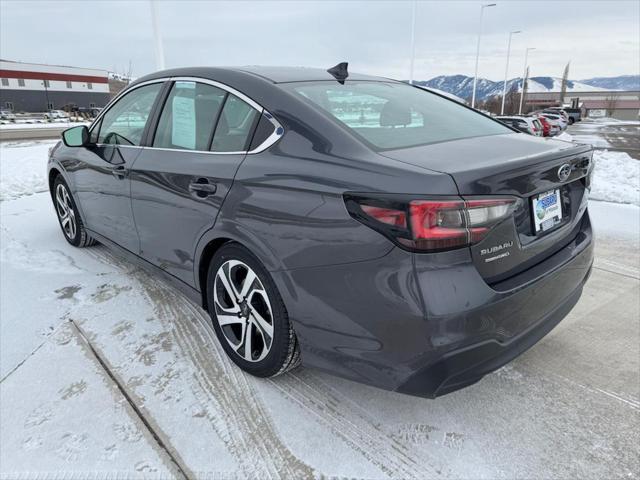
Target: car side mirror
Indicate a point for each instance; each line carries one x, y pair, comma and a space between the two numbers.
76, 136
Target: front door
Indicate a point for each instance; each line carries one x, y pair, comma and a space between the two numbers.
180, 180
101, 176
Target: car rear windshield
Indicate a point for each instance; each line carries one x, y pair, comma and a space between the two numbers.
396, 115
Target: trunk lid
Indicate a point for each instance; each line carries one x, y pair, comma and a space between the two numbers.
518, 165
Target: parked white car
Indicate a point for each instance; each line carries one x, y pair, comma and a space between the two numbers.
7, 115
530, 125
56, 115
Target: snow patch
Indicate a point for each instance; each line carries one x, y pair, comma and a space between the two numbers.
616, 178
23, 168
564, 136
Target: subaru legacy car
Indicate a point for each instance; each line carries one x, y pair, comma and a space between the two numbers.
356, 224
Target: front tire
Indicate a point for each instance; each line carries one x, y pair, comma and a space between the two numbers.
68, 216
248, 314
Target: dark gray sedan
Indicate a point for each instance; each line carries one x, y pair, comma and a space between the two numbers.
360, 225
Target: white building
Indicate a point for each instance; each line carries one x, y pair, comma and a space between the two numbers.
32, 87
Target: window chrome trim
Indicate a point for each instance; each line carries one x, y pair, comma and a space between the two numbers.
278, 130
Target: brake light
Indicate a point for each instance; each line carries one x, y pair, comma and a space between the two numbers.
386, 215
431, 225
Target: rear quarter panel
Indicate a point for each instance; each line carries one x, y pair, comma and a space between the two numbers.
286, 204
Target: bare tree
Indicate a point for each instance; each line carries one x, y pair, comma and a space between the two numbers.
611, 103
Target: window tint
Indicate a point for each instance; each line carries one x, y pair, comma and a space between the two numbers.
69, 84
125, 121
5, 82
396, 115
189, 116
264, 129
234, 129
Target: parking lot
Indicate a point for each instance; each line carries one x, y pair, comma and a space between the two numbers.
110, 373
615, 136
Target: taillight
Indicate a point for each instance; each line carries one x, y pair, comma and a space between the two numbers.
431, 225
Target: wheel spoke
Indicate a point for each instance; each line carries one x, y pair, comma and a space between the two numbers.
248, 283
61, 203
72, 227
247, 343
224, 279
265, 326
230, 319
234, 309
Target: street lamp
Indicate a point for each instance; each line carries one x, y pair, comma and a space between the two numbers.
157, 40
413, 40
506, 70
475, 76
524, 74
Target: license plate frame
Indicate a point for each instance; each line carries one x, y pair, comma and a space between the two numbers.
546, 211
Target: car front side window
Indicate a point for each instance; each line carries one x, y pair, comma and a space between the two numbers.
124, 123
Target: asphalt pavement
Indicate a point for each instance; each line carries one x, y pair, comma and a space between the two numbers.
619, 136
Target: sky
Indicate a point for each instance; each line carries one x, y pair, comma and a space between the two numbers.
600, 38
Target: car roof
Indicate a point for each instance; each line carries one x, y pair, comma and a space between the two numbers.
270, 74
300, 74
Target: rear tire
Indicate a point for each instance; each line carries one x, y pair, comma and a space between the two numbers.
68, 216
571, 120
248, 314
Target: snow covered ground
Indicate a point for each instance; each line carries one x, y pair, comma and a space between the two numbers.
106, 372
23, 167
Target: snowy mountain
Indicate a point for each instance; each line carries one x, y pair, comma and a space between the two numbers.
462, 86
623, 82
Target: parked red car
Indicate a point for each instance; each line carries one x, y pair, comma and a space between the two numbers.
546, 127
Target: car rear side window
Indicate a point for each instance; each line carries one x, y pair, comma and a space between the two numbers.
396, 115
263, 131
189, 116
235, 126
124, 122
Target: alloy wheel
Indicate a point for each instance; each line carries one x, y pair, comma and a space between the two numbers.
243, 310
65, 210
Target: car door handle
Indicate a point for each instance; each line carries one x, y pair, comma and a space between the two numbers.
202, 188
118, 171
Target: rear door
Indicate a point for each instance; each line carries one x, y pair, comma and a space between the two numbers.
184, 173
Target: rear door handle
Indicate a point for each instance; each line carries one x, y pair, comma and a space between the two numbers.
202, 188
118, 171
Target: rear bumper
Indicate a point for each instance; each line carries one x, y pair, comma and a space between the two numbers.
463, 367
427, 325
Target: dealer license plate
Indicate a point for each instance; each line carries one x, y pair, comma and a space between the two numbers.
546, 210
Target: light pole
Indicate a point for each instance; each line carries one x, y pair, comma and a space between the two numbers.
413, 40
475, 76
524, 74
157, 40
506, 70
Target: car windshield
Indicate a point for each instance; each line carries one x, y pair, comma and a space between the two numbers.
396, 115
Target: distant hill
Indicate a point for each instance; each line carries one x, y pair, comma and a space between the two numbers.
623, 82
462, 86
